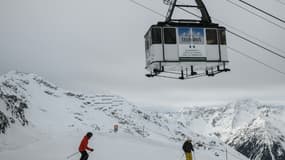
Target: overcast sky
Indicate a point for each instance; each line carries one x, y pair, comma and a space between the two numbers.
91, 45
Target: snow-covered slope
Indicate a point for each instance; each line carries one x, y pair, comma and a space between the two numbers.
255, 129
36, 114
119, 146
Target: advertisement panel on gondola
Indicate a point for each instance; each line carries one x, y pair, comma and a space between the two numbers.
191, 43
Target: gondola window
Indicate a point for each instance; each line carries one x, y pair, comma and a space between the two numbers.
156, 35
169, 35
222, 34
211, 35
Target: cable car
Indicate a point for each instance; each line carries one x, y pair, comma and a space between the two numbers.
186, 48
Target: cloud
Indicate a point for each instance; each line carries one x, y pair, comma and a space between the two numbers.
90, 45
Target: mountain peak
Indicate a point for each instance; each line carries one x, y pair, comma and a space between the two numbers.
18, 79
245, 103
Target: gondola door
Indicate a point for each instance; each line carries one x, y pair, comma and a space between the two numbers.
170, 44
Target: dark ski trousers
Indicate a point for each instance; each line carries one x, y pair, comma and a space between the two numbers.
84, 155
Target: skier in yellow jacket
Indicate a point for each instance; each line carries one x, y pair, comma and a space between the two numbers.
188, 148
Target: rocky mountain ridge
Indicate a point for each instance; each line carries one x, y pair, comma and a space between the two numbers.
254, 129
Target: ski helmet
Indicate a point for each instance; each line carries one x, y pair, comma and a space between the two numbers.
89, 134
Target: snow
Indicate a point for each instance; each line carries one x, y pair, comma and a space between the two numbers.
107, 146
59, 118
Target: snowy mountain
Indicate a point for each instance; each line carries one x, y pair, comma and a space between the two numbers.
254, 129
36, 115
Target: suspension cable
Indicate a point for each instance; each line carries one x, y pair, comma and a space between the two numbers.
249, 35
235, 29
244, 38
145, 7
262, 11
193, 14
256, 60
251, 12
238, 35
185, 10
256, 44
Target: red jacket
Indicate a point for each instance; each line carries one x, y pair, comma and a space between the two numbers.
84, 145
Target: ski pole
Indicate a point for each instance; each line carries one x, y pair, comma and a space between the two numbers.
68, 157
182, 155
194, 155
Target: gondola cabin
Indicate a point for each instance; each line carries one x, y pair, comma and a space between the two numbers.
185, 47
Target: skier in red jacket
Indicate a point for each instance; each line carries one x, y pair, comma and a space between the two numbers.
84, 146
